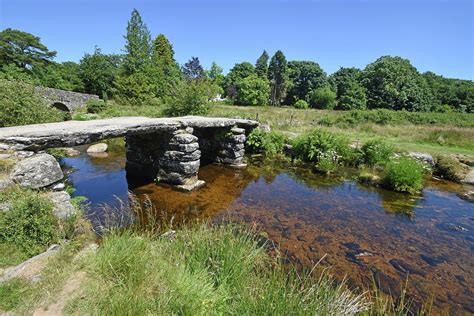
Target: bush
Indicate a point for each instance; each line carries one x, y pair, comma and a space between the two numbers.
253, 90
30, 223
404, 175
320, 144
268, 143
376, 152
95, 106
449, 168
19, 105
301, 104
323, 98
191, 98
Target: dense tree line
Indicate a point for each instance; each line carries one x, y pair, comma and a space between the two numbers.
147, 74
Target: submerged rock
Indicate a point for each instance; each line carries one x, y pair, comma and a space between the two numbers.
404, 267
98, 148
37, 172
468, 196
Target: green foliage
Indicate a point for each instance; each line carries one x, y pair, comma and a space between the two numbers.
261, 66
376, 153
253, 90
268, 143
349, 92
138, 46
29, 224
95, 106
136, 89
166, 72
191, 98
215, 74
278, 77
393, 83
20, 105
192, 70
301, 104
321, 145
326, 164
235, 75
11, 293
449, 168
98, 72
404, 175
305, 77
323, 98
23, 49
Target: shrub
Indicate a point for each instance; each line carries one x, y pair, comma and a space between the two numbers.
301, 104
404, 175
449, 168
95, 106
191, 98
323, 98
30, 223
19, 105
326, 164
320, 144
268, 143
376, 152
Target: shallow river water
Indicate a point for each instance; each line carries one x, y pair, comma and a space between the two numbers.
364, 234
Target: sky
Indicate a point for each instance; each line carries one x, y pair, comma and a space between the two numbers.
435, 35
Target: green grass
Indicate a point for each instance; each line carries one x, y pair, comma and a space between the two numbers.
204, 270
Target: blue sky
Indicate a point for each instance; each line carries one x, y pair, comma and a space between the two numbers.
435, 35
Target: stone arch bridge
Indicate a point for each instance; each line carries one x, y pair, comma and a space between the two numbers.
168, 150
63, 100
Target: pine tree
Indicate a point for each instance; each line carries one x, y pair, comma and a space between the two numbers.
193, 70
261, 66
138, 45
165, 69
278, 77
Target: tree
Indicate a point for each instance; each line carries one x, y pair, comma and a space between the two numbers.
23, 49
138, 45
261, 66
98, 72
253, 90
278, 77
236, 74
304, 77
350, 93
323, 98
193, 70
166, 71
393, 83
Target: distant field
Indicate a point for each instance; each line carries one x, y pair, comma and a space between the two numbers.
427, 132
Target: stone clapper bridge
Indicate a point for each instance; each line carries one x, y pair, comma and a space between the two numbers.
167, 150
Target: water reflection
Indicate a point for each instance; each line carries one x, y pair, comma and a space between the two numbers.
367, 234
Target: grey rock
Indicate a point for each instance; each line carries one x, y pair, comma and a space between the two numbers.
5, 207
5, 183
72, 133
4, 147
24, 154
237, 130
58, 186
265, 128
184, 168
62, 206
232, 146
97, 148
469, 178
468, 196
185, 148
422, 157
5, 156
70, 152
225, 153
180, 156
238, 139
37, 172
183, 139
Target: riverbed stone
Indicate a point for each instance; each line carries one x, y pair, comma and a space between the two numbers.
62, 206
423, 158
468, 196
97, 148
37, 172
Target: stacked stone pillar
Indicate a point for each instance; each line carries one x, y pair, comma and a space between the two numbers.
231, 151
180, 162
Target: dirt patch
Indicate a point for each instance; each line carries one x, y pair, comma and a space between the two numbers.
70, 290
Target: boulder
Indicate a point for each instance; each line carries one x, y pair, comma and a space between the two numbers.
468, 196
62, 206
469, 178
37, 172
422, 157
5, 183
97, 148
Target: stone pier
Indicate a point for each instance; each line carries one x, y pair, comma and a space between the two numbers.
164, 150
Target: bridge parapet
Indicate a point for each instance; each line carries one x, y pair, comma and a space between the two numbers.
65, 100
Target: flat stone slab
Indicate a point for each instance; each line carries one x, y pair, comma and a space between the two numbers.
190, 187
73, 133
